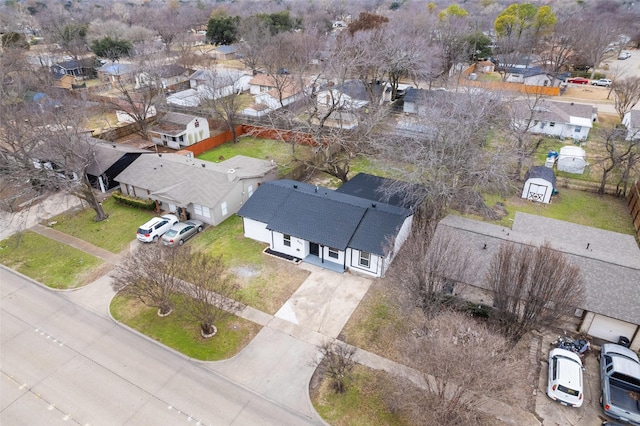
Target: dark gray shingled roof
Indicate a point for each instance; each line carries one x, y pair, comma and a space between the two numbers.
372, 188
324, 216
610, 265
542, 172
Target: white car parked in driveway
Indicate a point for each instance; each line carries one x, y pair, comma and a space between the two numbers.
565, 378
624, 55
155, 228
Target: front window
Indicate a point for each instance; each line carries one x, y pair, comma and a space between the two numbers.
286, 240
365, 259
552, 124
201, 211
333, 253
578, 129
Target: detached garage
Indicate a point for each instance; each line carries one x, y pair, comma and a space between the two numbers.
539, 184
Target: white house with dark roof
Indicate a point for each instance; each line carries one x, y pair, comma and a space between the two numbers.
631, 121
334, 229
609, 263
175, 130
560, 119
195, 188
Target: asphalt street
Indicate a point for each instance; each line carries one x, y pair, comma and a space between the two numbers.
63, 364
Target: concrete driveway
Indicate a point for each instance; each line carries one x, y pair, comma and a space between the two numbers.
554, 413
279, 361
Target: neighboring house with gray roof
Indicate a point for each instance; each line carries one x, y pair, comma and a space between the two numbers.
609, 263
558, 119
195, 188
109, 160
333, 229
175, 130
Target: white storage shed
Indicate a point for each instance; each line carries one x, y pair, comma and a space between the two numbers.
539, 184
572, 159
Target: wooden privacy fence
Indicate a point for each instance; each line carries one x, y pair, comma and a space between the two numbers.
634, 206
245, 129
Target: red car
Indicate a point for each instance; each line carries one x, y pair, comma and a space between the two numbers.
578, 80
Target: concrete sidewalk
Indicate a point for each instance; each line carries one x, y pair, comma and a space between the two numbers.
82, 245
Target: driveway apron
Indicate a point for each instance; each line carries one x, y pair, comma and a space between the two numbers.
279, 361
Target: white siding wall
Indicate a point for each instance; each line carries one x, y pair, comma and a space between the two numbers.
299, 248
375, 265
324, 254
256, 230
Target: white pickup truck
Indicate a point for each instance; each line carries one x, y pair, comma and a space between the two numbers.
620, 380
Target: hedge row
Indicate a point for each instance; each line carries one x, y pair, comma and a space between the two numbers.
135, 202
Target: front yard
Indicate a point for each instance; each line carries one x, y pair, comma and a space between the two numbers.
182, 333
113, 234
54, 264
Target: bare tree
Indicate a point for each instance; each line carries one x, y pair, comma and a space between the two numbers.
139, 104
460, 360
626, 95
221, 94
450, 158
622, 156
47, 151
523, 115
255, 36
430, 269
596, 32
151, 275
170, 22
558, 46
532, 286
336, 358
213, 291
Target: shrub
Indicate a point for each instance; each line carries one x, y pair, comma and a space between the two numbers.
134, 202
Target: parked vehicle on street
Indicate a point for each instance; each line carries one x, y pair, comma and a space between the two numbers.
624, 55
181, 232
604, 82
565, 378
578, 80
155, 228
620, 381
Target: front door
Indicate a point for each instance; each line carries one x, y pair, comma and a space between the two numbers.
314, 249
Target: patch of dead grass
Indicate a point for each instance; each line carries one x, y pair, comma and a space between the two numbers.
272, 285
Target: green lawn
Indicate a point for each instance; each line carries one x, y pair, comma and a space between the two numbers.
361, 404
265, 149
113, 234
52, 263
182, 333
227, 239
585, 208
